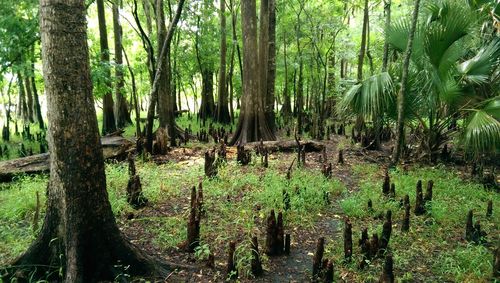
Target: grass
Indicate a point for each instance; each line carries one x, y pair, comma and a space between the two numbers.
434, 248
239, 199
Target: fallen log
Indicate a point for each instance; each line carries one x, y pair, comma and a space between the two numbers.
286, 146
113, 147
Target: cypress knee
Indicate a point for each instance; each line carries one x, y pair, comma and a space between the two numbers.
428, 192
199, 200
329, 272
405, 227
419, 200
193, 231
347, 240
386, 186
210, 165
341, 156
318, 257
271, 234
280, 235
364, 237
256, 264
387, 274
374, 246
386, 232
287, 244
469, 228
231, 271
406, 201
392, 193
489, 209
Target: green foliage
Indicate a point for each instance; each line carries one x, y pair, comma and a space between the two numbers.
17, 207
439, 231
372, 97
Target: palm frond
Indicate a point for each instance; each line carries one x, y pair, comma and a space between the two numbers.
370, 97
444, 32
478, 69
482, 133
397, 37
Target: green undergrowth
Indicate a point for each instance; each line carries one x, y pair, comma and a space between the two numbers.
434, 248
237, 202
17, 209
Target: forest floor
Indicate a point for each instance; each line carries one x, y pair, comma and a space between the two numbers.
239, 199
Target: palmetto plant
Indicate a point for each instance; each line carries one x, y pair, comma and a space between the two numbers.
454, 76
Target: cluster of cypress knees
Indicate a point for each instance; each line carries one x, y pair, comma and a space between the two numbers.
374, 247
277, 243
24, 151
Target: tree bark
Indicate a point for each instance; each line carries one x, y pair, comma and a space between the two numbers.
222, 107
164, 103
252, 124
22, 110
121, 110
387, 11
362, 48
29, 98
402, 92
165, 49
79, 230
271, 66
264, 52
36, 102
108, 115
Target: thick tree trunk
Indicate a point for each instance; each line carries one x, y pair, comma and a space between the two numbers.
252, 124
165, 49
164, 105
79, 231
207, 107
402, 92
222, 107
121, 110
108, 115
271, 66
264, 52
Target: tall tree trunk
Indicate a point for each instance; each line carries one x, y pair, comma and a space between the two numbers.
36, 102
387, 11
165, 107
230, 80
252, 124
271, 66
164, 50
108, 115
362, 48
286, 109
79, 233
138, 133
234, 16
22, 109
264, 53
207, 107
121, 110
222, 107
400, 133
29, 98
